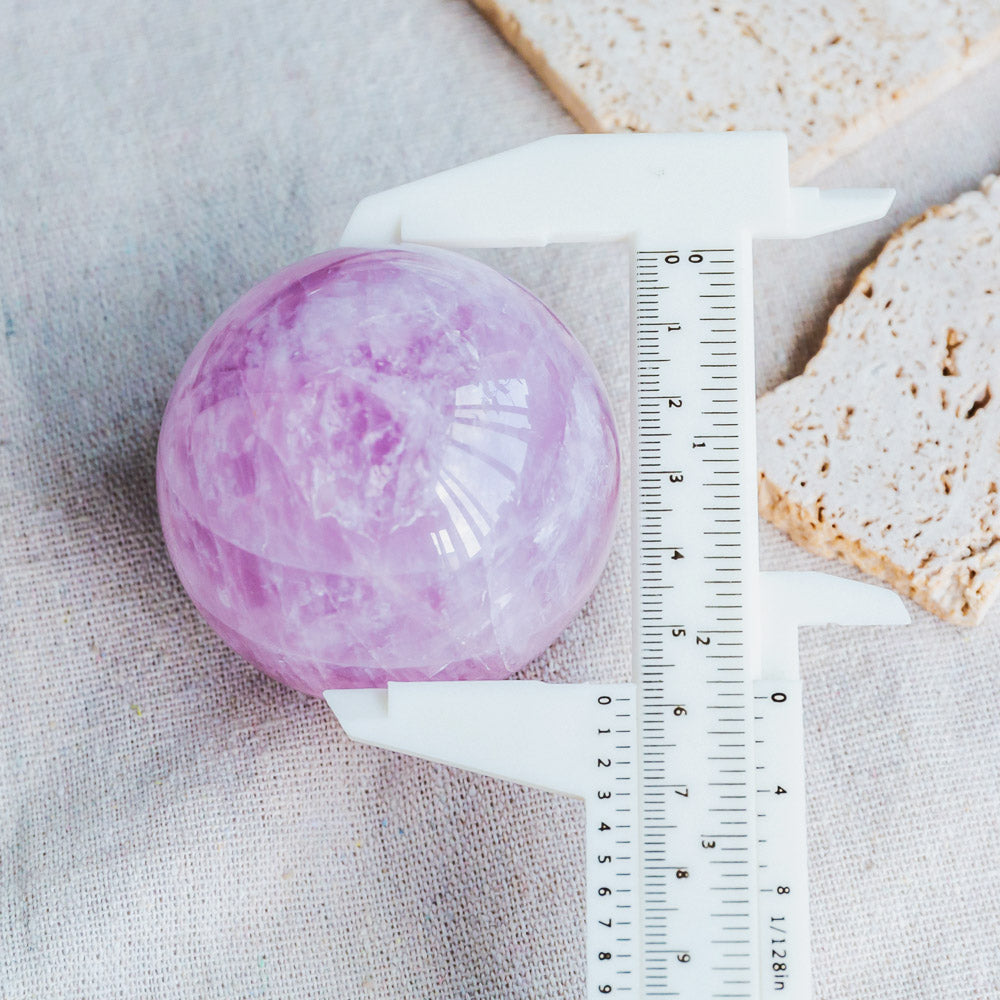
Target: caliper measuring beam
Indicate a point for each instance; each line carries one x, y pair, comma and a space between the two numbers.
692, 773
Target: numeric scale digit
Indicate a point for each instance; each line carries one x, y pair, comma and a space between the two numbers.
692, 773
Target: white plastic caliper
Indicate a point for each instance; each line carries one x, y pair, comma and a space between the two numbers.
693, 773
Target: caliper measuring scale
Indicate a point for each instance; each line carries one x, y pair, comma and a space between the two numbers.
692, 774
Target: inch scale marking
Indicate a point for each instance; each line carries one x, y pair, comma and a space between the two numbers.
691, 396
692, 773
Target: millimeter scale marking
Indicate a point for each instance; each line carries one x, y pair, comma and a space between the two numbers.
696, 543
692, 774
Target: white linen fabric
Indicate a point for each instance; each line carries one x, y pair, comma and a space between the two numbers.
175, 825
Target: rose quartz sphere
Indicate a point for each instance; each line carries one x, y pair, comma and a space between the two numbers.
388, 465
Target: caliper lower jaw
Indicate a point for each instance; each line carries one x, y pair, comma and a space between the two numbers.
515, 729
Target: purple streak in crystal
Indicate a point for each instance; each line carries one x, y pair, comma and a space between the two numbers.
388, 465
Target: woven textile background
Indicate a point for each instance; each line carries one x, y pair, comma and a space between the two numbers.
175, 825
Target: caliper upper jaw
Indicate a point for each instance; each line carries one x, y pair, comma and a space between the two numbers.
789, 600
597, 188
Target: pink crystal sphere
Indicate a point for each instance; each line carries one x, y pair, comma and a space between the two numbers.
388, 465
